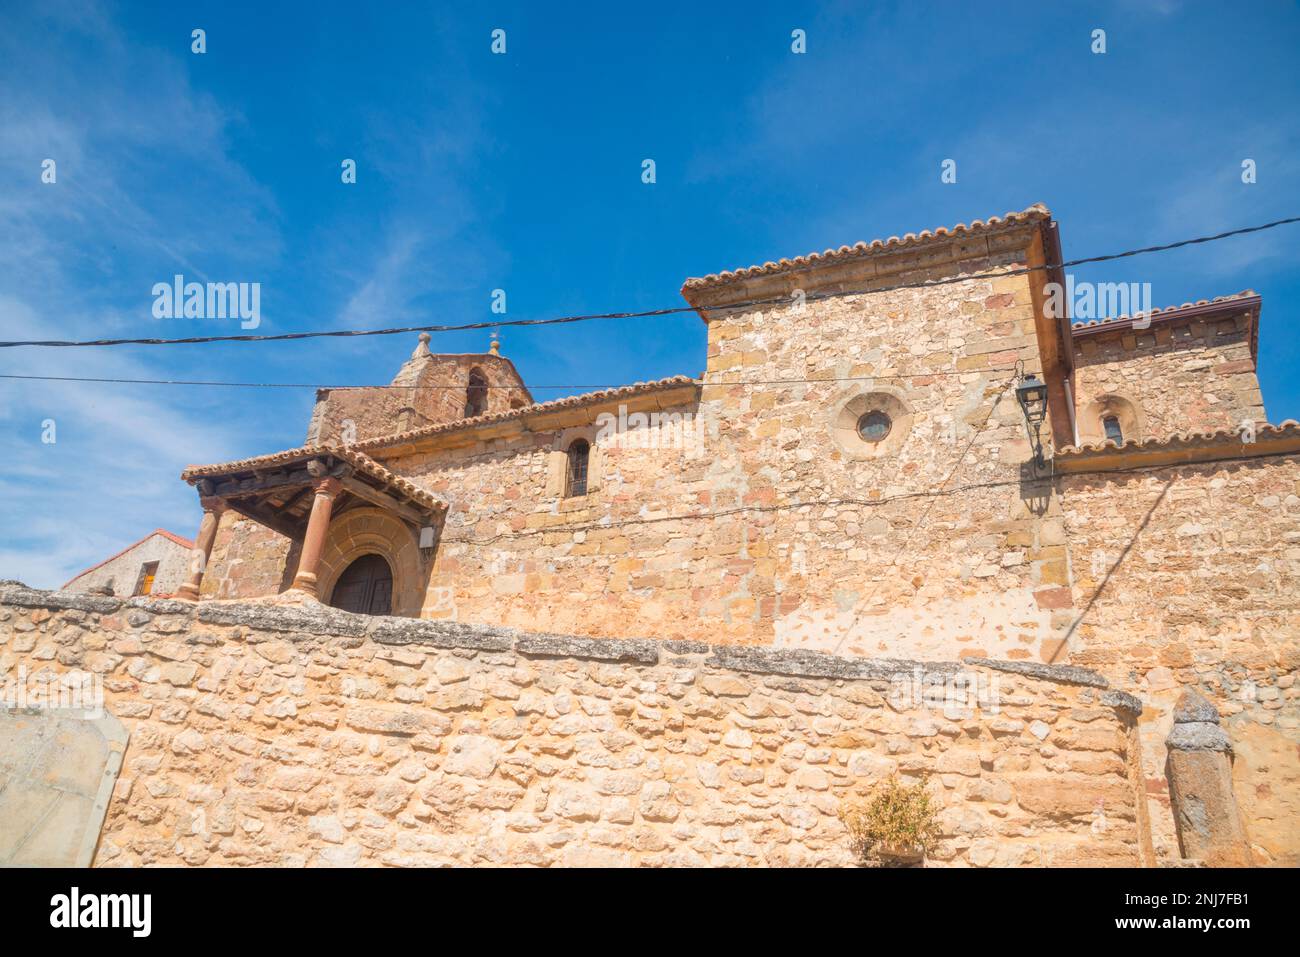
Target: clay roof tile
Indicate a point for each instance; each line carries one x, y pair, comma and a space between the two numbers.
1289, 428
1163, 310
573, 401
354, 457
1035, 213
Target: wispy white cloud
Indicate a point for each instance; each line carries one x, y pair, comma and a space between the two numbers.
392, 282
112, 472
80, 257
149, 184
408, 270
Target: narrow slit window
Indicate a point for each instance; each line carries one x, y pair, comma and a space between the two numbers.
1113, 432
476, 394
575, 481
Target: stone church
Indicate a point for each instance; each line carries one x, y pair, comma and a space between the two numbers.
857, 474
901, 449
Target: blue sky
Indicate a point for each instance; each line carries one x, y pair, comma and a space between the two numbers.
523, 172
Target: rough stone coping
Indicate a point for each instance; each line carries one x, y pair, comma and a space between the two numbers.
800, 663
1198, 736
16, 593
1123, 701
1192, 707
281, 619
440, 634
1066, 674
640, 650
331, 622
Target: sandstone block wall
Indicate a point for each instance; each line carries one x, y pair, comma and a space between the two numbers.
1191, 377
1190, 578
804, 540
248, 560
427, 390
264, 735
873, 564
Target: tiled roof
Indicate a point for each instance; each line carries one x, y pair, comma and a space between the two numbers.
1164, 312
183, 542
555, 405
1036, 213
1289, 429
170, 536
355, 456
358, 460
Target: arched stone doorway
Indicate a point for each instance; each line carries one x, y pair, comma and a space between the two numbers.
359, 532
365, 587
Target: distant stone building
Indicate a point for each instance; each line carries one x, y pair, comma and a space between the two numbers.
155, 565
866, 474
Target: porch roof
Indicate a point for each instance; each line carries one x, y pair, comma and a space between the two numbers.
276, 489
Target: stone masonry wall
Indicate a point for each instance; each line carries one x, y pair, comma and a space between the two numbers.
248, 560
266, 735
877, 562
774, 529
1189, 577
427, 390
1191, 377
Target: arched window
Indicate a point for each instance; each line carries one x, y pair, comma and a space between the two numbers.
575, 476
476, 394
1112, 428
1111, 418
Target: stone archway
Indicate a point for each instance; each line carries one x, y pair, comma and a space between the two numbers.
372, 531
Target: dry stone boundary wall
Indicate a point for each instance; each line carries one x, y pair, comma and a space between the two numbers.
273, 735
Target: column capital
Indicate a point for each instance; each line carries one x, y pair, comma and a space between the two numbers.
210, 503
328, 487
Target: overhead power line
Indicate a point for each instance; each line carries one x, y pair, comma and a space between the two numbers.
461, 388
649, 313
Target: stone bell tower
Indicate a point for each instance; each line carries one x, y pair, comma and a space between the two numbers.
429, 389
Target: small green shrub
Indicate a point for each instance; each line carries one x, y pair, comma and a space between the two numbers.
897, 816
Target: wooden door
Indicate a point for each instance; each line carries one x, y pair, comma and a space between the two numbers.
366, 587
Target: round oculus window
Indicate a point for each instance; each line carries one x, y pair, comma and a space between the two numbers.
874, 426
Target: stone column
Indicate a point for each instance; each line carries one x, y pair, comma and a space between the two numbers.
213, 509
1209, 823
314, 541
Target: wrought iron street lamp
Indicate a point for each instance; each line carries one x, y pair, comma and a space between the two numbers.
1031, 393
